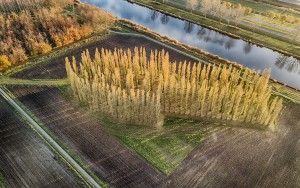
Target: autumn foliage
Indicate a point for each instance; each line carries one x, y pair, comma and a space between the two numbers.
131, 87
4, 62
34, 27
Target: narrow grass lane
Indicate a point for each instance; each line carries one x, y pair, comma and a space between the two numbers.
36, 82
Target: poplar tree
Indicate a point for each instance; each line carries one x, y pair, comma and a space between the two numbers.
128, 87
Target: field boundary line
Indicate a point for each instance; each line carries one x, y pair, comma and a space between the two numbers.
34, 125
285, 96
33, 82
160, 43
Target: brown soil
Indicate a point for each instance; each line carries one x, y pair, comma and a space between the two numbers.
56, 68
25, 161
82, 133
235, 157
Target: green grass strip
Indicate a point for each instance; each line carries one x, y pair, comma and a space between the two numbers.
2, 181
165, 149
35, 82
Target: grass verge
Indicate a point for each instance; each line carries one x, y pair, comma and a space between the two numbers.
2, 181
286, 92
166, 148
36, 82
248, 34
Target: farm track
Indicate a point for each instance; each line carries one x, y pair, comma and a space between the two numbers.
245, 158
25, 160
101, 152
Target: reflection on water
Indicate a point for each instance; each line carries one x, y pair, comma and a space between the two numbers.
188, 27
154, 15
247, 48
164, 19
284, 69
290, 64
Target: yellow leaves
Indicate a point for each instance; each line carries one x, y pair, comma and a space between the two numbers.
129, 80
25, 31
41, 48
134, 86
4, 62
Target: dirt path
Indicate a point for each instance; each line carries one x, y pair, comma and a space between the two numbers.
110, 160
237, 157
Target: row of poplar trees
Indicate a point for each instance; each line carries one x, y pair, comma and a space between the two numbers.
137, 88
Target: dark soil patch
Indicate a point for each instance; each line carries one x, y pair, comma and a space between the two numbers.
238, 157
25, 161
56, 68
103, 154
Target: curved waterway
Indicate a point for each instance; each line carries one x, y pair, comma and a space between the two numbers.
285, 69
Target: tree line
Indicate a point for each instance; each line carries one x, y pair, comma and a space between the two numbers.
19, 5
131, 87
224, 9
30, 32
286, 18
234, 11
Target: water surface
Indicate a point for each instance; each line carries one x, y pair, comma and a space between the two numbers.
284, 69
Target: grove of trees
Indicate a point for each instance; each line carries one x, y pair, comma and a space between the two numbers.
219, 8
286, 18
224, 9
131, 87
19, 5
36, 29
233, 11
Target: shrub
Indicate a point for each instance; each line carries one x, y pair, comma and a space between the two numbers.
4, 62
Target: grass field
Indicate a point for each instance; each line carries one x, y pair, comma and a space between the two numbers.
166, 148
2, 181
